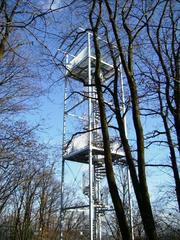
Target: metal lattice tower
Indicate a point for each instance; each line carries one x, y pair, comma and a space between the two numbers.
86, 146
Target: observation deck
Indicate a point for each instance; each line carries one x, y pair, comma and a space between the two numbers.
77, 68
78, 150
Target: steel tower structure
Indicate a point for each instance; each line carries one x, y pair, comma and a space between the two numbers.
85, 146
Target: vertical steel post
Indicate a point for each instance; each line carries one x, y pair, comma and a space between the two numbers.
91, 207
130, 204
128, 173
99, 214
98, 183
63, 160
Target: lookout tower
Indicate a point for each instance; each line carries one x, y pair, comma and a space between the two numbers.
82, 137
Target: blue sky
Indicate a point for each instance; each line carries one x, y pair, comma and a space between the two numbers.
50, 115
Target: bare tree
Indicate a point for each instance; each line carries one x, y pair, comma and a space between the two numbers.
17, 146
138, 176
164, 40
153, 81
